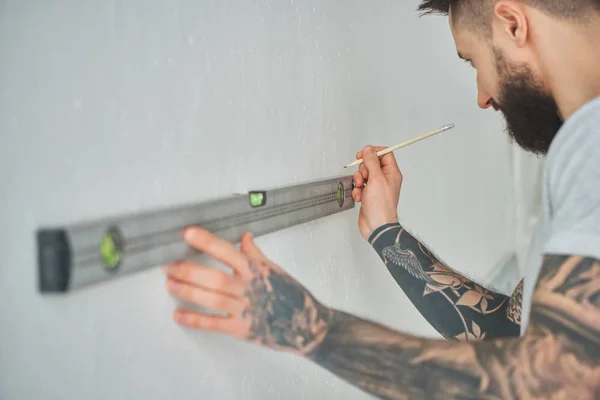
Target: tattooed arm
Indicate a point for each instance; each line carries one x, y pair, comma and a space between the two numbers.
558, 356
455, 306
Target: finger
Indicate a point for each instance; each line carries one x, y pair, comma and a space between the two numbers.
371, 162
363, 170
249, 248
358, 180
219, 249
388, 161
357, 194
377, 148
205, 298
213, 323
207, 278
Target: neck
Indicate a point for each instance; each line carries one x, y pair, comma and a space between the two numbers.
574, 55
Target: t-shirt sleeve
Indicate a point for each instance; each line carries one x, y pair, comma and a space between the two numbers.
573, 186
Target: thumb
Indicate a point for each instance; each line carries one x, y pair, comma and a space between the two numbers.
248, 247
371, 161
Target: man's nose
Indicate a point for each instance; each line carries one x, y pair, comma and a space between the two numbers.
484, 100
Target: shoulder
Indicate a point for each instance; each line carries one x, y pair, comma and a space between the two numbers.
577, 144
572, 185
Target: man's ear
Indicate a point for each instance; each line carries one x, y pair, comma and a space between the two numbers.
510, 19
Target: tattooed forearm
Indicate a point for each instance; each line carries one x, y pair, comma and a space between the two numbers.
455, 306
513, 311
558, 357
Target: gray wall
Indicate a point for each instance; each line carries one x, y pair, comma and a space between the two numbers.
125, 105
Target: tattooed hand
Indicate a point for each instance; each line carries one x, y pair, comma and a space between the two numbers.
381, 194
264, 305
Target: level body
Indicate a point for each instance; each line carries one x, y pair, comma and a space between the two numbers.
90, 252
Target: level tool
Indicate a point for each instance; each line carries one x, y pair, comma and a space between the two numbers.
82, 254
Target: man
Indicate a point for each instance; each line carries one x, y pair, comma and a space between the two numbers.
537, 62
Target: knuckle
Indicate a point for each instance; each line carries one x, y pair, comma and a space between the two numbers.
240, 331
186, 292
216, 302
197, 321
203, 323
220, 280
238, 287
195, 295
211, 324
192, 319
183, 271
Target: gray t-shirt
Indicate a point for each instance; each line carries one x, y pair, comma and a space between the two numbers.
569, 222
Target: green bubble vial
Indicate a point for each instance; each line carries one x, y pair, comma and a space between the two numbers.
110, 250
339, 195
257, 199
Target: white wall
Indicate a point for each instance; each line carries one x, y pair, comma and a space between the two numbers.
125, 105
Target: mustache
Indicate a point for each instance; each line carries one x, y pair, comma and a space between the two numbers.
495, 105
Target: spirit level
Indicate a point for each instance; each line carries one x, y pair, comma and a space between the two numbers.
86, 253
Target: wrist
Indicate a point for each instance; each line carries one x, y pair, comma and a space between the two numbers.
384, 235
322, 346
320, 329
376, 233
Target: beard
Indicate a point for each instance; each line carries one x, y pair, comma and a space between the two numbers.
530, 112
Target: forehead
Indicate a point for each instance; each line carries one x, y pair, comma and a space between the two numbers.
465, 40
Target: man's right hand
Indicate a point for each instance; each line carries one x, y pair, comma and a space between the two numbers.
381, 193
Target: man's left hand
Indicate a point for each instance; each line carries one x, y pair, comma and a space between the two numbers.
264, 305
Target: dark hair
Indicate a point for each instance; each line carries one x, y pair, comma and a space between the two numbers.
478, 13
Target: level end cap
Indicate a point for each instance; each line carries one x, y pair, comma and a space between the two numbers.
54, 260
